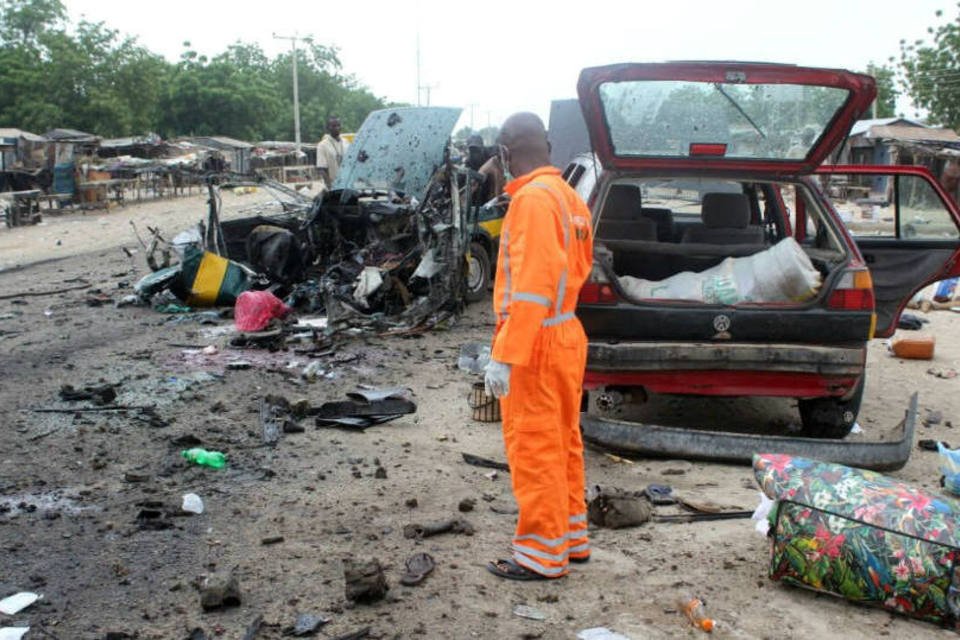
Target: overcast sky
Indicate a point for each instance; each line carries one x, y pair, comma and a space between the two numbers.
496, 57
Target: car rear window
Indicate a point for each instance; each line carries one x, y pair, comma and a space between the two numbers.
663, 118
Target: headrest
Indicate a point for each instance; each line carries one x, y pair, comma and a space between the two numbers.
623, 202
725, 210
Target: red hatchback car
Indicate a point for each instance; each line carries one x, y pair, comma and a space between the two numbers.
722, 267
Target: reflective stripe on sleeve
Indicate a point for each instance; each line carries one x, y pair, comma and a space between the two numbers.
505, 244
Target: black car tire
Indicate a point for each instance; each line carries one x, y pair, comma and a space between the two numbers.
830, 417
477, 281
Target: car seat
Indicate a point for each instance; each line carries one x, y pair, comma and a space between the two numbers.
621, 217
725, 220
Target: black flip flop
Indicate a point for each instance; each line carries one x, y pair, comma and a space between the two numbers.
512, 571
583, 560
419, 566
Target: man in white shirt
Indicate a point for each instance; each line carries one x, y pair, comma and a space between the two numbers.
330, 151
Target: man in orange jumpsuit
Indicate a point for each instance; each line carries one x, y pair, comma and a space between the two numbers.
539, 353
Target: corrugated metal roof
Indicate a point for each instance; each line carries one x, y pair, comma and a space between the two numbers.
70, 134
20, 133
221, 141
862, 126
918, 134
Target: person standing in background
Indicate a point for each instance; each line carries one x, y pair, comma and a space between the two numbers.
330, 151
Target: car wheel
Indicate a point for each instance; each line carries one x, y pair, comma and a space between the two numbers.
830, 417
478, 272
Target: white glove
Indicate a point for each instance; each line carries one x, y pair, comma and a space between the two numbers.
497, 379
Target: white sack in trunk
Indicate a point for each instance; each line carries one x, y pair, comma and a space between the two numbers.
782, 273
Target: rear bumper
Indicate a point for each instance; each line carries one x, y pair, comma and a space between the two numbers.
732, 369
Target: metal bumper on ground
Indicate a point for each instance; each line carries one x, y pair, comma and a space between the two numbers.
656, 441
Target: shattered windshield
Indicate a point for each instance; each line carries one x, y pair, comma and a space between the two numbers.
397, 150
751, 121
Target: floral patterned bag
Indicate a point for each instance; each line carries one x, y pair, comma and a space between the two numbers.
862, 536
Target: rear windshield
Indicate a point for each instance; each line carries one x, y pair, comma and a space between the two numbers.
661, 118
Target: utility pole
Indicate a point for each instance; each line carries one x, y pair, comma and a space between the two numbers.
296, 88
418, 68
473, 106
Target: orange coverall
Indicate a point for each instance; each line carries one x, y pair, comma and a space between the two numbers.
546, 253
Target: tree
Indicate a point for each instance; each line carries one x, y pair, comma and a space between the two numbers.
885, 106
931, 72
87, 76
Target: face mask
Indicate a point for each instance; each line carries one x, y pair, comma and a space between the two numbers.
504, 162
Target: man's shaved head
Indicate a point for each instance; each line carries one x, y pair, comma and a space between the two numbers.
526, 139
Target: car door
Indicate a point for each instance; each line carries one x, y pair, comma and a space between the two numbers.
906, 226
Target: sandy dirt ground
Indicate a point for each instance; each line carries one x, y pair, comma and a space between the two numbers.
72, 484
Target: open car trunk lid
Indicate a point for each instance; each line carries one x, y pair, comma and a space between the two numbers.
720, 116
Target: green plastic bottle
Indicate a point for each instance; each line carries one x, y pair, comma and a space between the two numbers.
213, 459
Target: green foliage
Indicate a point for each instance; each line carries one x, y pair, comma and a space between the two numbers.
88, 77
885, 106
931, 72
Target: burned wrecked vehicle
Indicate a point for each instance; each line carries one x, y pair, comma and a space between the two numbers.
385, 248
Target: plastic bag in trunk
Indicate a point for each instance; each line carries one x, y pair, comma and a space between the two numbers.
782, 273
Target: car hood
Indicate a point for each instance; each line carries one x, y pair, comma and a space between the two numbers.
720, 116
397, 150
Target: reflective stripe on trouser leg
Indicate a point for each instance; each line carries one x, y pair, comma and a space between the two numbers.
535, 439
579, 544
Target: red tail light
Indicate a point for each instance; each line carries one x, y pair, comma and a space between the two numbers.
851, 299
597, 293
854, 292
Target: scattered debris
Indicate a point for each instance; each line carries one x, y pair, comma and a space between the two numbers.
456, 525
204, 458
487, 463
418, 567
947, 374
272, 540
365, 581
528, 612
361, 414
101, 395
484, 407
600, 633
615, 509
192, 503
950, 468
934, 417
18, 602
13, 633
253, 628
466, 505
306, 624
914, 348
474, 356
359, 634
911, 322
220, 590
931, 445
659, 494
254, 310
